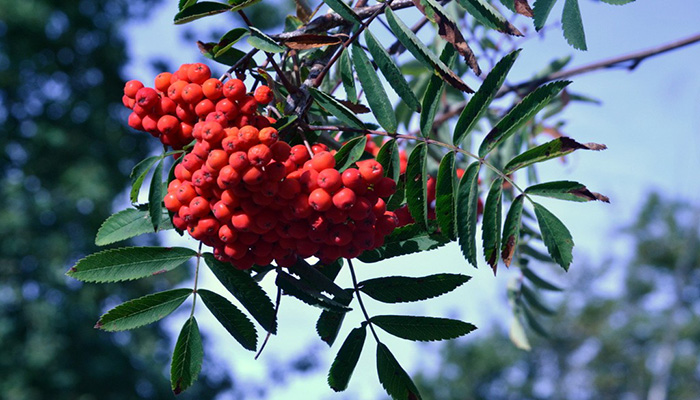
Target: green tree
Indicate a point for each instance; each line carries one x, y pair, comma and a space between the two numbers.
641, 343
66, 158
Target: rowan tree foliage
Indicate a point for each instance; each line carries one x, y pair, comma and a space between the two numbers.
346, 136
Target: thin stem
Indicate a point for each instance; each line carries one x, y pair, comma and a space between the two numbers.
277, 308
421, 139
196, 278
238, 63
359, 300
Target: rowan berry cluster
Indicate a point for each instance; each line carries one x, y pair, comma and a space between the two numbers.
251, 196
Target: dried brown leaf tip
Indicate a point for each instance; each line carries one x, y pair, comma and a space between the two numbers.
508, 250
523, 8
595, 146
310, 41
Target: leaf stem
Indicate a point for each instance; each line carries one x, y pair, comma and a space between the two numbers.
277, 308
359, 300
196, 278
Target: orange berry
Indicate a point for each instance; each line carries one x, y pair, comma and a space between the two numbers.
162, 81
198, 73
320, 200
192, 93
268, 136
259, 155
234, 89
263, 95
322, 160
131, 87
344, 199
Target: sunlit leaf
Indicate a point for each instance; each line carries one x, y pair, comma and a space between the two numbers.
433, 93
483, 11
388, 157
511, 230
200, 10
375, 94
261, 41
127, 224
491, 225
350, 152
334, 107
187, 357
142, 311
138, 174
347, 77
565, 190
556, 236
572, 25
556, 148
416, 179
467, 200
344, 10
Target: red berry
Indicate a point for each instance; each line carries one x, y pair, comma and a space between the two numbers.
344, 199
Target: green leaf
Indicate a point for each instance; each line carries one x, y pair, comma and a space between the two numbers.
409, 40
467, 200
200, 10
376, 96
511, 230
347, 77
284, 122
617, 2
241, 4
155, 196
433, 93
565, 190
558, 147
539, 282
261, 41
479, 103
445, 196
328, 324
129, 263
309, 295
397, 244
229, 39
534, 300
138, 174
337, 109
483, 11
246, 290
401, 289
391, 72
231, 318
350, 152
416, 180
346, 359
343, 10
425, 329
572, 25
533, 323
393, 378
491, 225
127, 224
187, 357
541, 10
520, 115
388, 157
556, 236
182, 4
142, 311
316, 279
397, 199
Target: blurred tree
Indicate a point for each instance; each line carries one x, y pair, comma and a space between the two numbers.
65, 156
639, 343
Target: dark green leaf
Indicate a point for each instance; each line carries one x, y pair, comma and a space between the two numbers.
376, 96
182, 4
246, 290
479, 103
393, 378
226, 55
572, 25
129, 263
309, 295
241, 4
423, 241
416, 179
331, 270
531, 297
422, 53
445, 196
155, 196
539, 282
565, 190
346, 360
350, 152
333, 106
467, 200
422, 328
541, 9
231, 318
397, 199
187, 357
328, 324
138, 174
401, 289
491, 225
284, 122
388, 156
391, 72
520, 115
229, 39
483, 11
511, 230
316, 279
617, 2
433, 94
261, 41
142, 311
556, 148
343, 10
127, 224
200, 10
556, 236
536, 254
553, 67
533, 323
346, 75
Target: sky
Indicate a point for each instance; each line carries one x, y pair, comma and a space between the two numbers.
649, 119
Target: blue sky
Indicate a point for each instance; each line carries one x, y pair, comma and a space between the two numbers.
649, 119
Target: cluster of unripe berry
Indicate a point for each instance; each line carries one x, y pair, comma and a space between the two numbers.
251, 196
